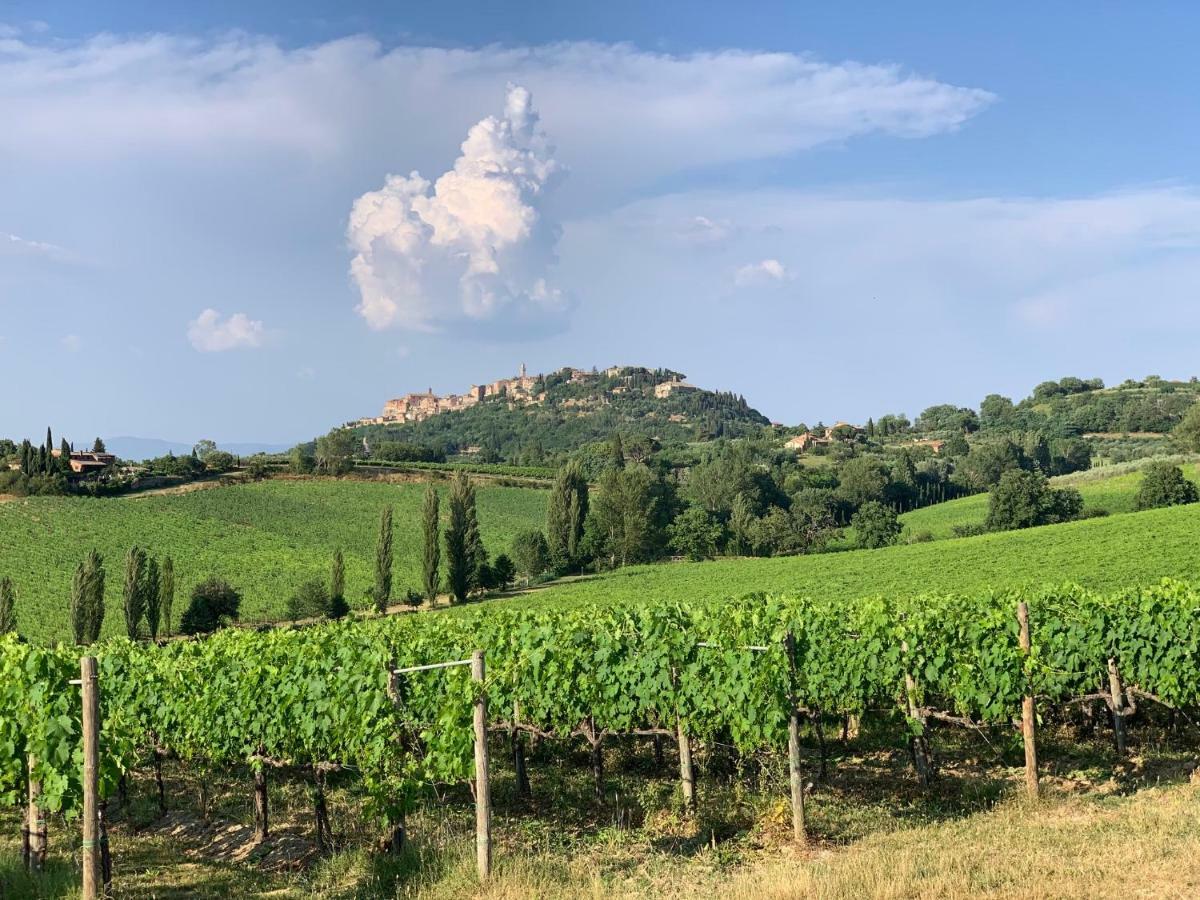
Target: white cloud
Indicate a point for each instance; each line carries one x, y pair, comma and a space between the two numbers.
71, 343
11, 243
208, 334
625, 116
473, 245
764, 272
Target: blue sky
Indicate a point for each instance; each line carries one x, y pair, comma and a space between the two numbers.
838, 210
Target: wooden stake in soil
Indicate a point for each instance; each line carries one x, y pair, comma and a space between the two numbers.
517, 739
1028, 711
918, 742
36, 822
1117, 692
91, 777
687, 771
483, 790
799, 831
261, 829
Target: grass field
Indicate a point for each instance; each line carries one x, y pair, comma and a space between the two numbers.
265, 538
1104, 554
1111, 493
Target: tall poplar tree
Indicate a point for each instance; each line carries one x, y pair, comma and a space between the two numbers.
8, 602
565, 515
383, 562
153, 600
338, 607
166, 592
431, 557
458, 559
135, 591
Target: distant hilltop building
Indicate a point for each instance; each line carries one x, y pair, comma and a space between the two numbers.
528, 389
418, 407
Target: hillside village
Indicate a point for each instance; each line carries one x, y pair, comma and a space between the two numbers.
522, 390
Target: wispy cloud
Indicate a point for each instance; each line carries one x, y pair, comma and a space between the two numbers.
209, 334
763, 272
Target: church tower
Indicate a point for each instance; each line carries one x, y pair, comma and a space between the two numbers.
522, 370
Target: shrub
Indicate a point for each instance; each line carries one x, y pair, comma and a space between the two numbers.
1024, 499
530, 552
310, 601
413, 598
970, 529
875, 525
919, 537
213, 604
695, 533
503, 571
1164, 485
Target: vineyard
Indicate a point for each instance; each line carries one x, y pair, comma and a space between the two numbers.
1101, 554
299, 704
1102, 491
265, 538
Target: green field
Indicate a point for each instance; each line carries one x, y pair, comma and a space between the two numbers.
1104, 554
265, 538
1111, 493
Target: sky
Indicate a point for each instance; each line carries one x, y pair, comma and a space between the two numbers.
252, 222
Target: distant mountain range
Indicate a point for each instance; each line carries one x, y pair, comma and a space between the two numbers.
138, 448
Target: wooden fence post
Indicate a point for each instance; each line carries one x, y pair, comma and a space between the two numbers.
1117, 693
1028, 709
517, 738
799, 831
687, 770
91, 776
36, 822
261, 825
483, 791
918, 742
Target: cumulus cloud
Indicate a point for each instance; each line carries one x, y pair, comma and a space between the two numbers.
472, 245
209, 334
624, 115
763, 272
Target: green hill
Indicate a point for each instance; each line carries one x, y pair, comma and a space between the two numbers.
265, 538
575, 408
1104, 554
1111, 489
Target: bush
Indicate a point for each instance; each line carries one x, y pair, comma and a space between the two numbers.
1164, 485
971, 529
213, 604
695, 533
530, 552
413, 598
503, 571
919, 537
310, 601
218, 461
1024, 499
875, 525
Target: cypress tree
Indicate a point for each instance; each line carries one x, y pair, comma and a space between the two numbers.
458, 564
80, 605
8, 602
477, 556
565, 515
431, 558
383, 562
153, 581
166, 592
135, 591
338, 607
48, 458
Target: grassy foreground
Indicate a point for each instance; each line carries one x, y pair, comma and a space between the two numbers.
265, 538
1113, 493
1103, 554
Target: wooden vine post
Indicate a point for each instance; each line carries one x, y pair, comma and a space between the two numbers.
91, 777
687, 771
1028, 709
920, 744
35, 824
1116, 692
799, 831
483, 791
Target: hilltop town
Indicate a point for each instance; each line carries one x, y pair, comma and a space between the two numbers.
522, 390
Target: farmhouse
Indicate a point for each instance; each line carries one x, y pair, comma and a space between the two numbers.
84, 463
